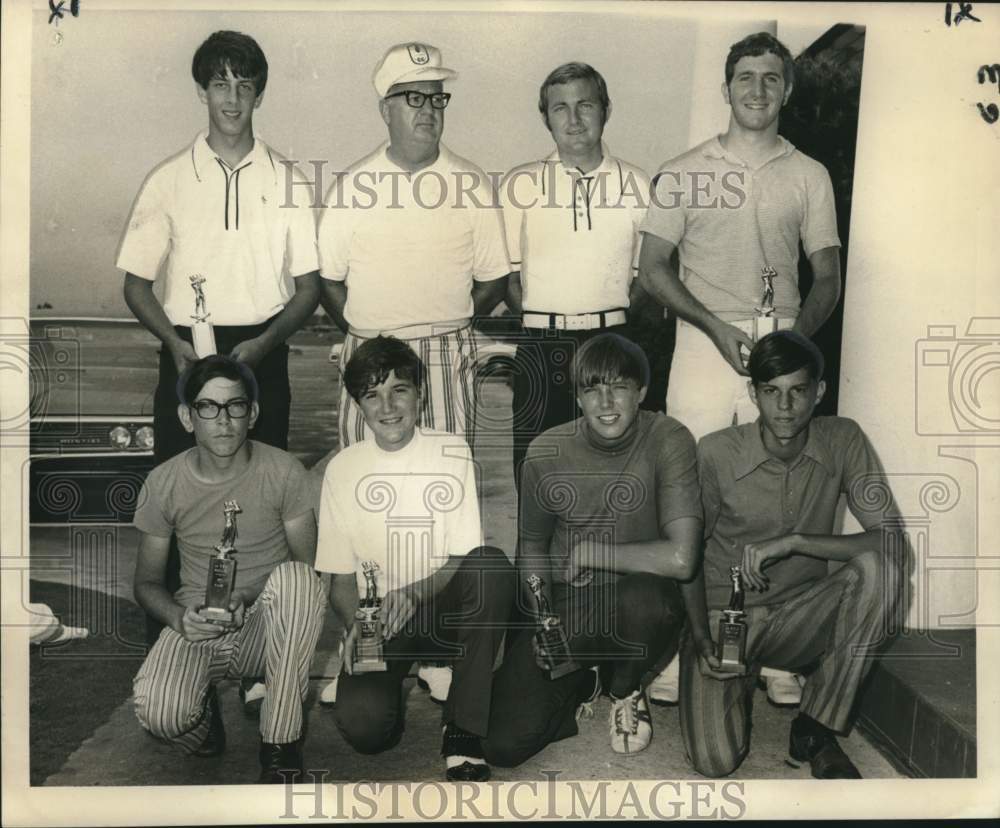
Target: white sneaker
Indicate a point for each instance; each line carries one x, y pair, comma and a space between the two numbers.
665, 688
782, 688
437, 680
328, 695
631, 726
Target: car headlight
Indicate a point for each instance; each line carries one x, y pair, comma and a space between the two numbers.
144, 437
120, 437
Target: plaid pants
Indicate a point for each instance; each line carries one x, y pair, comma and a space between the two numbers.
450, 362
278, 636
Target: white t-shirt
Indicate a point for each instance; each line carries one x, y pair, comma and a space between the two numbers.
410, 245
406, 510
574, 236
196, 215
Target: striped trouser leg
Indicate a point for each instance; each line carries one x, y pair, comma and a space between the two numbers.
171, 687
279, 637
715, 716
842, 621
449, 386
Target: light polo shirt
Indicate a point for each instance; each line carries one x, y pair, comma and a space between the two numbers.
196, 215
728, 219
409, 245
748, 495
573, 235
404, 510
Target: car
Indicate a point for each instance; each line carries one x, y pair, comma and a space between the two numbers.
91, 384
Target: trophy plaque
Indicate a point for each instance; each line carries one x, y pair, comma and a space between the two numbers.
222, 572
202, 333
765, 321
368, 647
732, 644
551, 635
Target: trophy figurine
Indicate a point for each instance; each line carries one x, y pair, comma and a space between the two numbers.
368, 656
222, 572
201, 331
765, 322
551, 635
733, 629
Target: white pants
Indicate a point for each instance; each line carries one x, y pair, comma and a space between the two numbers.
704, 392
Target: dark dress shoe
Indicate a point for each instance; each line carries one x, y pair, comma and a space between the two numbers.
811, 742
215, 741
280, 763
458, 742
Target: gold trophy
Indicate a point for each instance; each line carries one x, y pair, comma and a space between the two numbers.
368, 655
222, 572
732, 644
765, 321
551, 636
202, 333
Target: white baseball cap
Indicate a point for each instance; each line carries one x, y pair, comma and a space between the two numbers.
407, 62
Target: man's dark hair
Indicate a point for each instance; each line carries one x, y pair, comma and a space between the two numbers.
784, 352
190, 383
376, 359
233, 50
756, 45
609, 357
571, 72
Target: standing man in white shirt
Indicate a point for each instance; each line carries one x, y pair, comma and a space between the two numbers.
572, 222
731, 206
411, 244
216, 210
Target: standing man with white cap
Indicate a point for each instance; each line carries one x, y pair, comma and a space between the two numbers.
411, 244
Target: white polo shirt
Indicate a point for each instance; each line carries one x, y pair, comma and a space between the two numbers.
406, 510
195, 214
574, 236
410, 245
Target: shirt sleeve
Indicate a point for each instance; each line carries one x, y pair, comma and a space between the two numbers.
638, 190
296, 498
146, 240
819, 227
864, 482
335, 231
489, 252
149, 515
535, 522
666, 217
464, 529
334, 546
301, 256
677, 492
711, 496
512, 204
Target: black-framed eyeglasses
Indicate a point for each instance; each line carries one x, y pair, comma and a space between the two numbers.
439, 100
209, 409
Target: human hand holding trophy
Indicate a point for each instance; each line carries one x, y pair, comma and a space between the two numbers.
549, 641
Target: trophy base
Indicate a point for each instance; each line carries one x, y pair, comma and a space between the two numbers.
564, 669
762, 326
370, 667
215, 615
203, 339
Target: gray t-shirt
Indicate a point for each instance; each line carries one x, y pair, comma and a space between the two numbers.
272, 489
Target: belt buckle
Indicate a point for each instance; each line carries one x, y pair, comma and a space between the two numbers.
578, 322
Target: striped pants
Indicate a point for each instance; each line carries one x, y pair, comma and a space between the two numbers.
277, 640
838, 625
449, 405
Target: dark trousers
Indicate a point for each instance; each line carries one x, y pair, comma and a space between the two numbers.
625, 628
462, 625
544, 393
171, 439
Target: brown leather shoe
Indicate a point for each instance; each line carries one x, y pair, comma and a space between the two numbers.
811, 742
